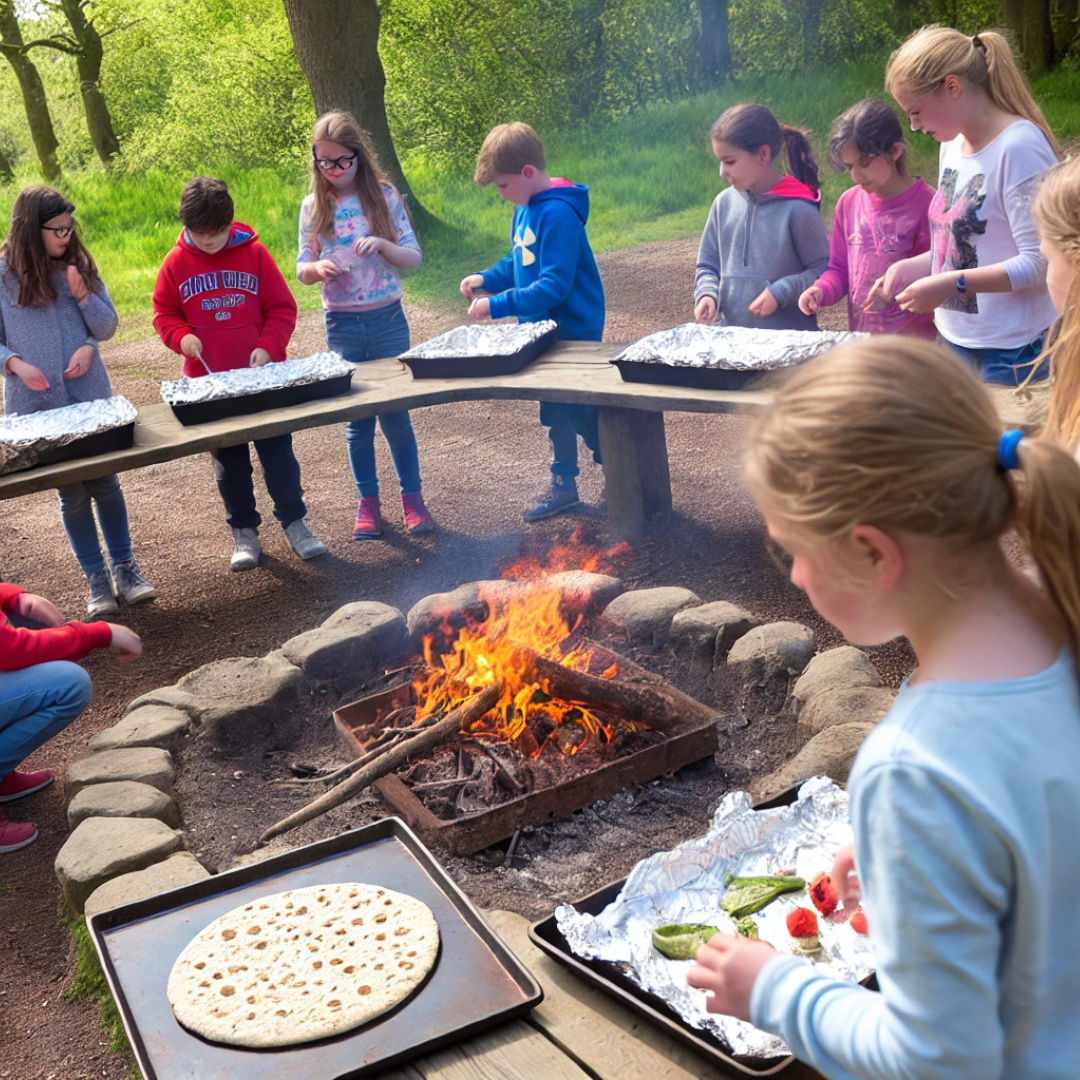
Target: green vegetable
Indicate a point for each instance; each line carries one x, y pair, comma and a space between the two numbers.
681, 941
745, 895
747, 928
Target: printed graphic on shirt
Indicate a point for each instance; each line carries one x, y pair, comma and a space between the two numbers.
522, 242
875, 243
953, 224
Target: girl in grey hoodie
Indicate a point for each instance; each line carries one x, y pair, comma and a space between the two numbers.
764, 242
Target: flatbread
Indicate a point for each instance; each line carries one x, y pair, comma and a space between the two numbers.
302, 965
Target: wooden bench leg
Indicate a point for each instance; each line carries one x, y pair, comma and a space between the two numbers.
636, 475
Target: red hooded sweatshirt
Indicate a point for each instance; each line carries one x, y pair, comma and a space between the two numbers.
233, 301
21, 648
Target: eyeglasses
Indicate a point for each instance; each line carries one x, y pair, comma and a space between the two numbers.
62, 231
342, 163
783, 559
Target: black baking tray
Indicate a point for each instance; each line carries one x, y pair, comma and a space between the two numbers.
100, 442
476, 983
203, 412
478, 367
698, 378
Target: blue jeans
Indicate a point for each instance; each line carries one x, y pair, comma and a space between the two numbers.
1004, 367
281, 470
565, 423
35, 704
374, 335
77, 504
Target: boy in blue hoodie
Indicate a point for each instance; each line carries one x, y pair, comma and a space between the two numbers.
550, 273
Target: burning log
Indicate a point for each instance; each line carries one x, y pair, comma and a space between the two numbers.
461, 719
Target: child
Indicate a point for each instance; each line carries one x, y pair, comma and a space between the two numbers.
41, 691
53, 312
550, 273
882, 469
878, 221
764, 243
222, 303
983, 278
354, 237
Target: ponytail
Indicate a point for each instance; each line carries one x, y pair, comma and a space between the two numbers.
800, 155
749, 127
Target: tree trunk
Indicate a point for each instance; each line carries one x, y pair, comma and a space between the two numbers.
1064, 28
812, 30
1029, 20
33, 92
337, 44
7, 173
88, 61
714, 47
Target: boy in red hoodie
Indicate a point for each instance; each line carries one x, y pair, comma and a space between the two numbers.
222, 303
41, 690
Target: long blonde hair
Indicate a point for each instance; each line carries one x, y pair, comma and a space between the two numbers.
1057, 213
341, 127
985, 60
898, 433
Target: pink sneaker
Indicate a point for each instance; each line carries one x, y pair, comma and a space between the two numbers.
417, 518
15, 834
17, 784
367, 519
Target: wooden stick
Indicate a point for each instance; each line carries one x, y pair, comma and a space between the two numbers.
461, 718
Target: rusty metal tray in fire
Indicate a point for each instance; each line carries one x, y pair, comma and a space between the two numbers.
476, 983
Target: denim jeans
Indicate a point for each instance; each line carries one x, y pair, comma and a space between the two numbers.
281, 470
35, 704
565, 423
374, 335
77, 504
1004, 367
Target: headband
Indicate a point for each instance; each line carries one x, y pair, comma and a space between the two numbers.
1007, 457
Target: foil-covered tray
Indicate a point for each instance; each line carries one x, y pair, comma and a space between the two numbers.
243, 391
685, 885
720, 357
480, 350
66, 434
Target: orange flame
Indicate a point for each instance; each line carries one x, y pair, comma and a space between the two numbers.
575, 554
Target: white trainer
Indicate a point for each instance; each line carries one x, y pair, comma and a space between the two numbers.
303, 541
247, 550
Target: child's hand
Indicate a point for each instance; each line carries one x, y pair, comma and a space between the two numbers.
326, 269
125, 642
926, 294
258, 358
844, 878
31, 377
80, 362
38, 609
480, 309
810, 300
763, 305
705, 310
469, 284
727, 967
896, 279
76, 284
191, 346
370, 245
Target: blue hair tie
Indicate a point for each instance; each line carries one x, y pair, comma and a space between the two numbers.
1007, 457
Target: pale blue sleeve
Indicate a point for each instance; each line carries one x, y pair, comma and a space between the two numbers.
707, 272
1023, 167
811, 244
406, 234
5, 353
936, 878
99, 314
307, 243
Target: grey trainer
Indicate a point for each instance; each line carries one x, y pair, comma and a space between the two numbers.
102, 598
303, 541
131, 586
562, 496
247, 549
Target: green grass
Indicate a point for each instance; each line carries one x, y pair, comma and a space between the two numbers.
652, 177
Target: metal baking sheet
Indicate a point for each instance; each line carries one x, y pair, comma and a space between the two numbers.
477, 364
203, 412
476, 983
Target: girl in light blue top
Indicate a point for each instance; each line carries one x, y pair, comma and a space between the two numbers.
882, 470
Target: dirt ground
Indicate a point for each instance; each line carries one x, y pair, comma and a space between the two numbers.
481, 463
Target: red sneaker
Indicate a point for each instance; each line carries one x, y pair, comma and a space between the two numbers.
367, 519
15, 834
417, 518
17, 784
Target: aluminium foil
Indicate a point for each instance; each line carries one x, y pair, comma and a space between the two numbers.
24, 438
737, 348
685, 885
481, 339
254, 380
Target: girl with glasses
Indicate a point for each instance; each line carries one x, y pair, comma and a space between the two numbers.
54, 310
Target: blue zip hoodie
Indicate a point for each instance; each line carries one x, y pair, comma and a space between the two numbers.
550, 272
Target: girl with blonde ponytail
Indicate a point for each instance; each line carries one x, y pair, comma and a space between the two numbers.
983, 278
883, 470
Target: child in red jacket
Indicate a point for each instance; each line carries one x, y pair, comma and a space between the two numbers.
41, 690
222, 303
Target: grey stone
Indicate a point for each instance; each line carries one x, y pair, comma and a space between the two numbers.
778, 649
150, 725
143, 764
177, 870
123, 798
172, 696
829, 753
453, 610
845, 706
645, 615
709, 631
355, 642
585, 593
102, 848
835, 669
